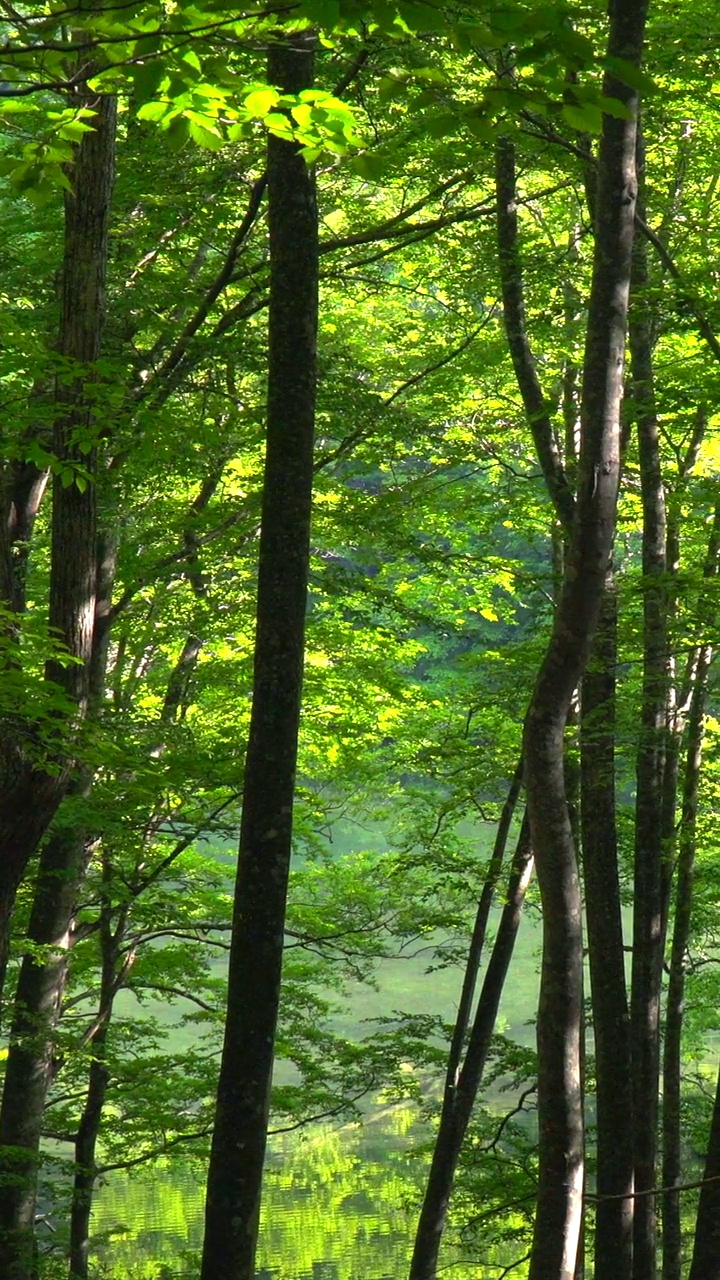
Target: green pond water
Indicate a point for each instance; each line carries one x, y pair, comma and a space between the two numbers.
338, 1203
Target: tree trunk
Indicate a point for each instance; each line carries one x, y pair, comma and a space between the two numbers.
559, 1208
239, 1139
706, 1250
31, 1056
648, 931
611, 1019
460, 1093
30, 793
671, 1117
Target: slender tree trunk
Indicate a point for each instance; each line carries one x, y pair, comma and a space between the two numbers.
559, 1208
536, 407
31, 1053
671, 1118
477, 941
648, 931
31, 793
240, 1134
611, 1019
706, 1249
671, 1164
98, 1081
460, 1093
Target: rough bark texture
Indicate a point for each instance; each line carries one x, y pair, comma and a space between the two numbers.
29, 794
648, 930
460, 1093
239, 1139
559, 1208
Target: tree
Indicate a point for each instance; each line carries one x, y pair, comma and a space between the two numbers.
236, 1160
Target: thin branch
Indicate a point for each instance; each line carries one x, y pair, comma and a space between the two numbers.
686, 292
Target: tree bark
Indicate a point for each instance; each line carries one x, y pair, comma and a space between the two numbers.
30, 792
611, 1018
240, 1134
31, 1053
648, 915
536, 407
559, 1207
706, 1249
460, 1092
672, 1081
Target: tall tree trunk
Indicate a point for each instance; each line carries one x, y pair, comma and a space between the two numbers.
671, 1118
460, 1093
648, 930
240, 1134
611, 1018
31, 1054
30, 793
559, 1208
112, 975
706, 1249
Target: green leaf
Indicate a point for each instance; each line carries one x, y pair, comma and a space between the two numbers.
153, 110
614, 107
210, 139
631, 74
368, 166
261, 101
586, 118
147, 78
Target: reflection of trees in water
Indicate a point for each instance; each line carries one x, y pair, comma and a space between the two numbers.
339, 1204
333, 1209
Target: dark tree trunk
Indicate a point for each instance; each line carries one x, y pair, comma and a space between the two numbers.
31, 1053
706, 1250
671, 1116
477, 941
559, 1208
648, 915
239, 1139
671, 1163
461, 1092
29, 793
611, 1019
23, 489
98, 1082
536, 407
85, 1166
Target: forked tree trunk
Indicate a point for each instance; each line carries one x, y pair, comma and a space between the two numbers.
30, 794
611, 1018
461, 1092
31, 1052
559, 1207
243, 1099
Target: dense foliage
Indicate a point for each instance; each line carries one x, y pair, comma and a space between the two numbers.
458, 155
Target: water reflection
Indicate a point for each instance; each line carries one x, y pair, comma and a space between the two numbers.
337, 1206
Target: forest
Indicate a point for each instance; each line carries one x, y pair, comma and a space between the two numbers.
359, 556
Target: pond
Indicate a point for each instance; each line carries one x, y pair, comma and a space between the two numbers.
338, 1203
